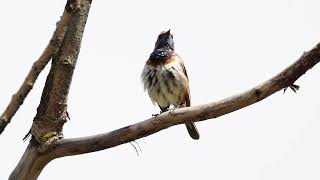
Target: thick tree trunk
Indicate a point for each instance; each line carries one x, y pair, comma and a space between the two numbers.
52, 110
31, 164
46, 145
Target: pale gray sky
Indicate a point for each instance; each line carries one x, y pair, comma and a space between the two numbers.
228, 46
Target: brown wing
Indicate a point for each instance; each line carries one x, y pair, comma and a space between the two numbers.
187, 96
183, 67
191, 127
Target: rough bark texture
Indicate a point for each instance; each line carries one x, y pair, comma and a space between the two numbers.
52, 111
31, 164
51, 49
286, 78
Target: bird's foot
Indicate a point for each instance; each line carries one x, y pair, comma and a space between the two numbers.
155, 115
171, 111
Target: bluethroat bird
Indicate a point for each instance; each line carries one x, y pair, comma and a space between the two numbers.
165, 78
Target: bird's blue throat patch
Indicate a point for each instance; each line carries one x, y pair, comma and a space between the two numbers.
158, 54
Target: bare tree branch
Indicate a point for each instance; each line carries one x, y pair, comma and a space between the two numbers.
52, 110
33, 160
51, 49
286, 78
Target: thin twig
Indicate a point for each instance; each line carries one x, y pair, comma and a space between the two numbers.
137, 152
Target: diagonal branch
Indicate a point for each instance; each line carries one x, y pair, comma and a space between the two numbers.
51, 49
286, 78
52, 110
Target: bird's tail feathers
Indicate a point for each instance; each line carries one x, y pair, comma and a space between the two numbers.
193, 131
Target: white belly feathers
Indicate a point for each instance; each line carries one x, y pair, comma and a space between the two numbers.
166, 83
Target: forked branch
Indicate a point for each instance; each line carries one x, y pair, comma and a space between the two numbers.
51, 49
52, 109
